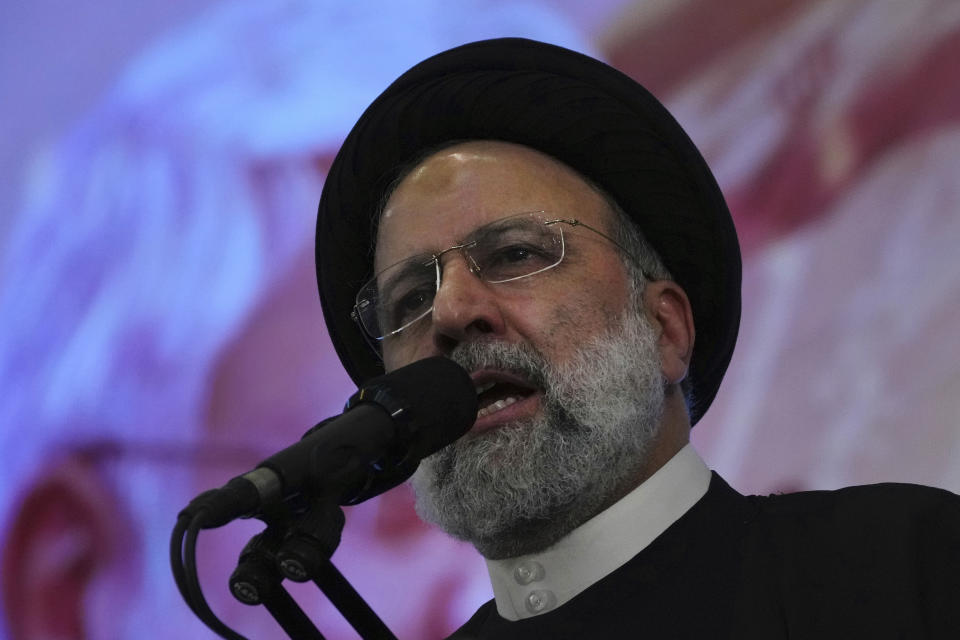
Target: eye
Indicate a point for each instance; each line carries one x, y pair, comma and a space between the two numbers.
515, 260
513, 254
410, 304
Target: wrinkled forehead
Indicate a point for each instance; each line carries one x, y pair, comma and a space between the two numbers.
450, 193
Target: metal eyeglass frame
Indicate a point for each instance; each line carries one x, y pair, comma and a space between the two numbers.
475, 269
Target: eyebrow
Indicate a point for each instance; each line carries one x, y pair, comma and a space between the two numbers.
480, 233
497, 226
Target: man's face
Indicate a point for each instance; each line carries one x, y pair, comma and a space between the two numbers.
468, 185
567, 359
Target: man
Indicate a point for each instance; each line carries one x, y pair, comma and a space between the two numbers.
541, 219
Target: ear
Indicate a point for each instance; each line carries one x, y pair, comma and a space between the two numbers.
62, 535
668, 309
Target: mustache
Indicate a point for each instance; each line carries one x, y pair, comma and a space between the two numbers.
518, 359
528, 363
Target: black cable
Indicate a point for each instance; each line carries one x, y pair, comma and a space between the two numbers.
194, 592
176, 559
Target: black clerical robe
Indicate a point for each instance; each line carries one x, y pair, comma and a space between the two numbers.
878, 561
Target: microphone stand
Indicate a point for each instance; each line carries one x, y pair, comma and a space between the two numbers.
256, 580
299, 547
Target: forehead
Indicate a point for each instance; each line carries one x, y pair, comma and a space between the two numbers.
459, 188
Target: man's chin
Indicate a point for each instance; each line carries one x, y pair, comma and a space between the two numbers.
529, 473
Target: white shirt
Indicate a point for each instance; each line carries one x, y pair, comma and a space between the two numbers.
533, 584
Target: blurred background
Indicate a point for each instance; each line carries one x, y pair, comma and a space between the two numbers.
160, 330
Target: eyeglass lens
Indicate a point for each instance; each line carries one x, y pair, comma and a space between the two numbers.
505, 250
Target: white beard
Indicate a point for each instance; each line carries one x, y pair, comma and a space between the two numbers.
519, 488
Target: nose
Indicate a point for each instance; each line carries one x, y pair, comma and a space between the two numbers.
464, 308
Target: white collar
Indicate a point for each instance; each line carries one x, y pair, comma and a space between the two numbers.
533, 584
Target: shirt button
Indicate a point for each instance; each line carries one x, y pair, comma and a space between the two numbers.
528, 571
540, 600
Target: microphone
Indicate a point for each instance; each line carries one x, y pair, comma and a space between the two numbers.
387, 427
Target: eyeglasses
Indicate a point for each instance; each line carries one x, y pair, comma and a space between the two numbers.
505, 250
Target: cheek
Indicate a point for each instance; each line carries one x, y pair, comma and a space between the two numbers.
395, 357
593, 306
415, 345
560, 329
575, 320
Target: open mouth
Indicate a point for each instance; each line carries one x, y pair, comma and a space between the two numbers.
496, 391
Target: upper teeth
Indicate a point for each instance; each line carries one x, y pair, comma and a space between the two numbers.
496, 406
484, 387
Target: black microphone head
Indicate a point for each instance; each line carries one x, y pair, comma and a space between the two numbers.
432, 401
